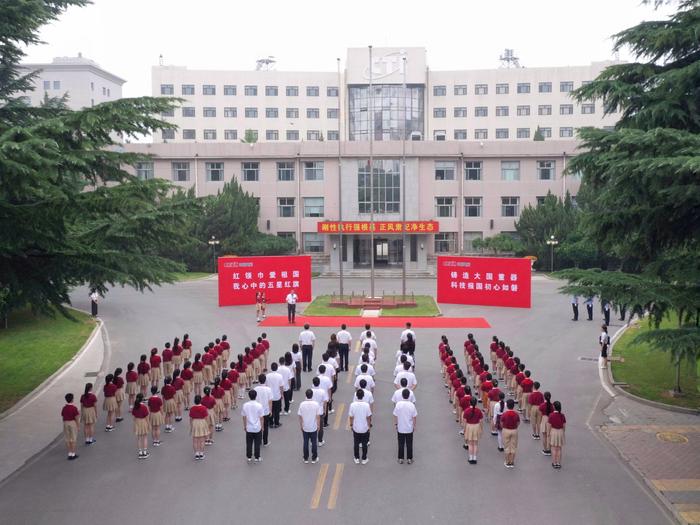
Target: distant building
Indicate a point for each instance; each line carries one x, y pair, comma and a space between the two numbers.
83, 80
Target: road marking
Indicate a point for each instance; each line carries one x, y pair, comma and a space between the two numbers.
338, 416
674, 485
335, 486
351, 374
320, 482
357, 346
347, 424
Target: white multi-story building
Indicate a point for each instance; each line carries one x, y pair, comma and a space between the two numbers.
81, 79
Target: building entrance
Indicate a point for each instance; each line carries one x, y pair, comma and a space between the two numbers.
387, 252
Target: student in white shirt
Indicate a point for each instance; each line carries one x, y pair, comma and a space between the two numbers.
410, 377
329, 369
405, 414
291, 299
364, 360
360, 415
404, 334
326, 384
498, 409
296, 357
373, 346
368, 397
364, 375
366, 351
367, 332
252, 413
309, 420
276, 383
344, 342
264, 397
287, 376
398, 393
320, 395
306, 340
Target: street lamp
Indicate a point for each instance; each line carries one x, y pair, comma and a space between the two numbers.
213, 242
552, 242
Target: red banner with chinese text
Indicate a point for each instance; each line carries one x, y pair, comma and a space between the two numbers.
486, 281
241, 277
379, 226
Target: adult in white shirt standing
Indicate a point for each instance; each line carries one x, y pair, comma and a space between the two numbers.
405, 421
408, 330
309, 420
94, 297
292, 299
306, 340
276, 383
252, 413
265, 399
344, 342
360, 415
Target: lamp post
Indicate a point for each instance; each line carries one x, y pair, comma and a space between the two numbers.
552, 242
213, 242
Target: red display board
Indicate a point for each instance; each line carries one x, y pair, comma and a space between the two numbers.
241, 277
378, 227
487, 281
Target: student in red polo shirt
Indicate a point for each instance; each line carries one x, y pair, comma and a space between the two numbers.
266, 346
208, 362
472, 429
535, 399
234, 377
464, 403
519, 376
109, 404
199, 428
156, 417
492, 353
225, 347
144, 370
156, 373
187, 376
218, 394
88, 413
486, 385
227, 385
168, 365
242, 376
546, 408
186, 347
526, 386
177, 354
179, 385
557, 424
132, 387
209, 402
120, 396
169, 392
141, 426
197, 374
510, 420
71, 417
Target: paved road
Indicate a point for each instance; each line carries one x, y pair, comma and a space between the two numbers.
109, 485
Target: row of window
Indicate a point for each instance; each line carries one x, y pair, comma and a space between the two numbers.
446, 206
565, 86
521, 111
232, 112
510, 170
48, 83
248, 90
504, 133
232, 134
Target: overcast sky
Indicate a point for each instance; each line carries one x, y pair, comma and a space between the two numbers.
126, 37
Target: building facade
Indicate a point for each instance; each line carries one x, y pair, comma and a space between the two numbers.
81, 79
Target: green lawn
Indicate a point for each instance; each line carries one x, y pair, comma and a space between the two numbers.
426, 307
190, 276
32, 348
650, 373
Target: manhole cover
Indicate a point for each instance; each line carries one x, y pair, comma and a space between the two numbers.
671, 437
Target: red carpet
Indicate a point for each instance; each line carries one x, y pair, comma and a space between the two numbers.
381, 322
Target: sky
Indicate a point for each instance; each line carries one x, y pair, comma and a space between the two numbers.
126, 37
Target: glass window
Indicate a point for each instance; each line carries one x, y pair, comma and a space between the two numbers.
566, 109
445, 169
285, 171
292, 112
502, 111
523, 87
230, 134
287, 235
333, 135
313, 113
390, 122
587, 109
510, 170
481, 89
460, 112
385, 186
510, 206
501, 133
187, 89
544, 87
540, 200
313, 206
292, 91
502, 89
312, 91
209, 89
165, 89
439, 134
251, 112
271, 112
168, 113
546, 132
439, 112
439, 91
481, 111
545, 169
523, 133
188, 111
229, 90
215, 171
331, 91
272, 134
144, 170
481, 134
189, 134
566, 87
445, 242
292, 134
209, 134
566, 132
332, 113
472, 206
209, 112
544, 109
270, 91
285, 206
444, 206
47, 84
469, 238
313, 170
313, 134
181, 171
313, 242
230, 112
460, 134
251, 171
250, 91
472, 169
460, 89
523, 111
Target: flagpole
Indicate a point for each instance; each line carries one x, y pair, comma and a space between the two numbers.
340, 191
371, 177
403, 187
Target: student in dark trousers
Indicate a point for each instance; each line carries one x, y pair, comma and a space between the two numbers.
405, 422
252, 413
292, 299
360, 416
589, 308
606, 312
574, 307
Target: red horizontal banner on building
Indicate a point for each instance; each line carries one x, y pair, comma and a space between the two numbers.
378, 226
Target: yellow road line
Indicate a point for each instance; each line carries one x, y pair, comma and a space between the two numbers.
338, 416
335, 486
351, 374
320, 482
670, 485
357, 346
347, 424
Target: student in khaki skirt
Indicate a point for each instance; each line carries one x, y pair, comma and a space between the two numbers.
535, 399
472, 429
168, 365
169, 403
132, 387
209, 402
218, 394
187, 376
227, 385
120, 395
510, 420
142, 426
178, 384
208, 362
546, 408
199, 428
177, 354
197, 374
70, 416
156, 416
156, 373
88, 413
234, 377
226, 348
557, 424
109, 404
144, 370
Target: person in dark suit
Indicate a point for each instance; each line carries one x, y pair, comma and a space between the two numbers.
574, 307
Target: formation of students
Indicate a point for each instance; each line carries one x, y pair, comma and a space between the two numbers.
499, 387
